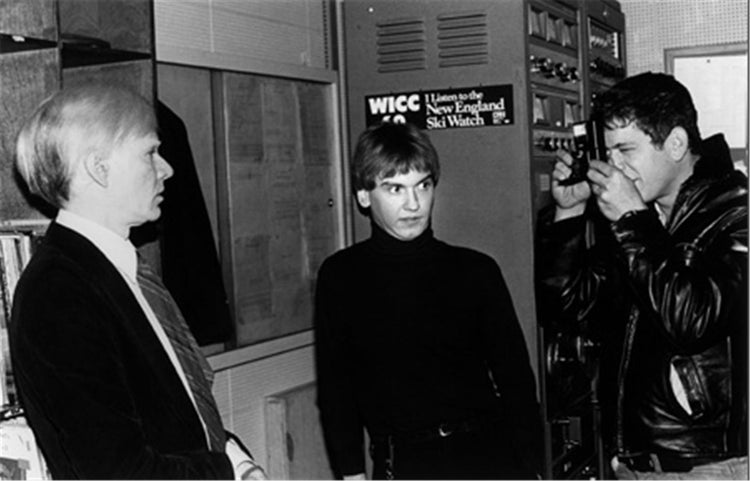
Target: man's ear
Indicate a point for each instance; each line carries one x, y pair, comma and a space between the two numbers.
363, 198
676, 143
97, 167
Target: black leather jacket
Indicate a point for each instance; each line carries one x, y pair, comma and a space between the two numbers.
674, 295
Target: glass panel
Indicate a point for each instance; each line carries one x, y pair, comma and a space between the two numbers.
280, 168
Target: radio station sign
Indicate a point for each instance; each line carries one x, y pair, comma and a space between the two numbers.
444, 109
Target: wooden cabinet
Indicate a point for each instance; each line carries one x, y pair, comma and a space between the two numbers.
26, 78
296, 449
110, 41
126, 25
29, 71
29, 18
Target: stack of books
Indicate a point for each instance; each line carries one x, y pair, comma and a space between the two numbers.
20, 457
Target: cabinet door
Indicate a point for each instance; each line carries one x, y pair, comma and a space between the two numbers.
278, 195
28, 18
296, 449
26, 78
136, 74
123, 24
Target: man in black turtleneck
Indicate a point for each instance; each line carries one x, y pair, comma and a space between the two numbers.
417, 340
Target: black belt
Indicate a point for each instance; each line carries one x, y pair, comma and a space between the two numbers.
442, 430
647, 462
387, 443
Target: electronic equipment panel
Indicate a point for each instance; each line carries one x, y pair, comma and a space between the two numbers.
565, 77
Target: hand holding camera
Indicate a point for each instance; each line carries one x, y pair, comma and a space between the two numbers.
616, 193
568, 195
586, 141
570, 187
585, 171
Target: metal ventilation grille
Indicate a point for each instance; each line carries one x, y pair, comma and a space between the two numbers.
462, 39
401, 45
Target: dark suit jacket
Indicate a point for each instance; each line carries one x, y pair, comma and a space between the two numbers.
99, 391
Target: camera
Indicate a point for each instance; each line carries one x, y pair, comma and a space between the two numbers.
588, 144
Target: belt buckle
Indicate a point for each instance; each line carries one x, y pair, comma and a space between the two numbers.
444, 431
643, 462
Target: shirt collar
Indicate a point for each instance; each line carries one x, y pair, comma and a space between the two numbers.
117, 250
662, 215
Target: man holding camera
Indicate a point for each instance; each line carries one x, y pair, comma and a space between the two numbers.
652, 248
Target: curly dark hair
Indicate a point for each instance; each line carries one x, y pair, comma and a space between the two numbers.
656, 102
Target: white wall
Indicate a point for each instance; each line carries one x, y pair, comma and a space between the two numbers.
652, 26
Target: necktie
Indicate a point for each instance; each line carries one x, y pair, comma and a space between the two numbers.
197, 371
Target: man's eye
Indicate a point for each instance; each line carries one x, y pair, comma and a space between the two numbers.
426, 185
394, 189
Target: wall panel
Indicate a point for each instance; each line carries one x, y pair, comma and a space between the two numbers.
282, 31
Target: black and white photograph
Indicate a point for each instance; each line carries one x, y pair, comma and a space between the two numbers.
374, 239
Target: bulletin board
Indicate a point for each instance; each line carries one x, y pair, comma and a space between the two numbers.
280, 181
717, 78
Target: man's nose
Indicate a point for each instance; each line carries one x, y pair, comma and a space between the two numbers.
412, 200
163, 168
615, 159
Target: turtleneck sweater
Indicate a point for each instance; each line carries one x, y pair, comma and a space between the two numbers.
410, 334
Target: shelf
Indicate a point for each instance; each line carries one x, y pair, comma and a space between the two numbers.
19, 43
77, 54
24, 225
85, 55
569, 50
